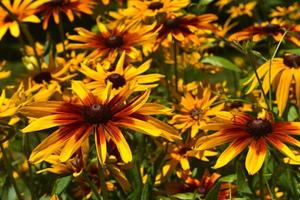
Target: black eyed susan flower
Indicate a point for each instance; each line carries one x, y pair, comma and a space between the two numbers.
109, 43
24, 11
275, 29
241, 9
242, 130
102, 115
120, 75
289, 14
140, 10
196, 111
186, 27
70, 8
178, 154
285, 73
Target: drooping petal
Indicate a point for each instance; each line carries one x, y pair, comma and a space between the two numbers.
256, 155
75, 142
121, 143
100, 144
282, 91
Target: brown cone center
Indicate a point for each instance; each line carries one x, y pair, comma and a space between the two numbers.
8, 19
259, 127
97, 114
43, 77
114, 41
117, 80
173, 23
272, 28
291, 60
236, 104
155, 5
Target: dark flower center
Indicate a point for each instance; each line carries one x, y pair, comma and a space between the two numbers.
42, 77
271, 28
8, 19
57, 2
259, 127
155, 5
114, 41
236, 104
117, 80
97, 114
173, 23
291, 60
196, 113
183, 150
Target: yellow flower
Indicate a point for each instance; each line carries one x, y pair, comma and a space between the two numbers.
4, 73
145, 11
284, 74
221, 3
109, 43
120, 76
68, 7
289, 14
180, 28
196, 111
275, 29
179, 153
102, 115
243, 130
241, 9
24, 11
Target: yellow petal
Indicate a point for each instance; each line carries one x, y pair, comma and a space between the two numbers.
32, 19
122, 145
46, 122
14, 29
80, 90
232, 151
100, 144
282, 91
256, 156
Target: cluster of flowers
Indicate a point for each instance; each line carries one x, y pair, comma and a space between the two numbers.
162, 68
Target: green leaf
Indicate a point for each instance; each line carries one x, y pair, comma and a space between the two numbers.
61, 184
292, 113
293, 51
228, 179
213, 193
186, 196
221, 62
242, 181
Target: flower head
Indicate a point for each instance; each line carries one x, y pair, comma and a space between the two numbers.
23, 11
243, 130
284, 75
120, 75
108, 43
102, 115
69, 7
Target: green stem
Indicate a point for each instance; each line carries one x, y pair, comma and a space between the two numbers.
270, 68
62, 34
175, 64
13, 181
104, 191
261, 182
257, 77
92, 185
25, 31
